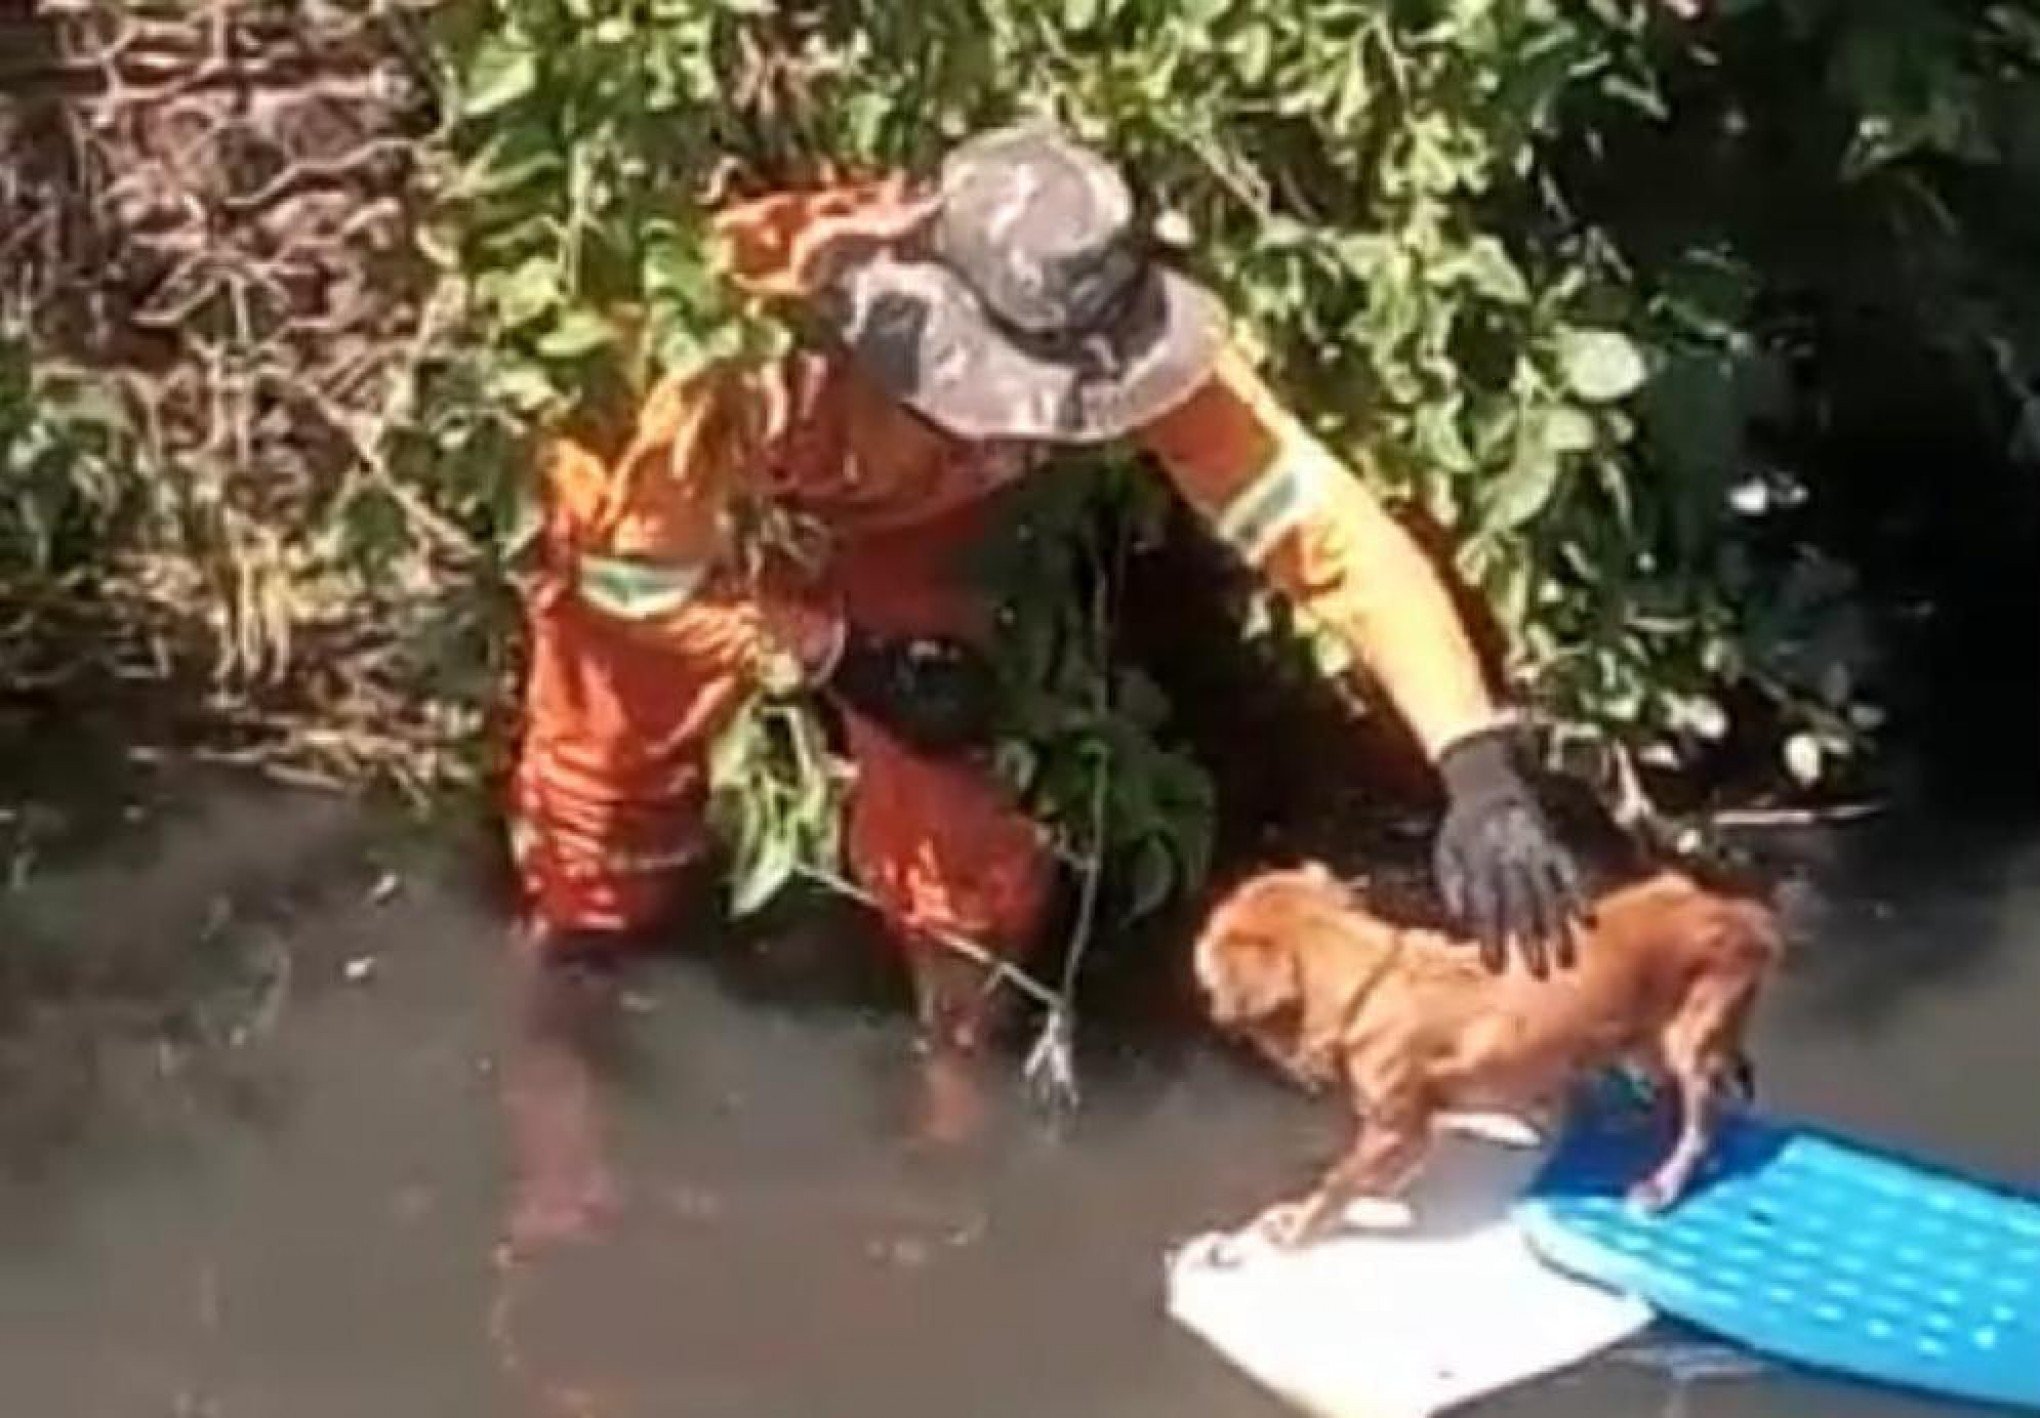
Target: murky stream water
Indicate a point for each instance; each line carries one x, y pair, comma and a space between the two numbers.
304, 1224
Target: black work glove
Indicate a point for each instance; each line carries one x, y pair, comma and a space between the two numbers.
1501, 871
938, 695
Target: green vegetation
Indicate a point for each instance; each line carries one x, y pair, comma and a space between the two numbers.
1559, 277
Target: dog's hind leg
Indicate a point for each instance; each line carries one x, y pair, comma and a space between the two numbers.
1697, 1092
1701, 1049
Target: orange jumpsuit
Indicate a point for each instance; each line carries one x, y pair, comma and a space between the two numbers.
647, 629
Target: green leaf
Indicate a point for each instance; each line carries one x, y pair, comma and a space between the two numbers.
1490, 271
673, 267
1439, 438
1332, 655
1567, 430
815, 805
439, 244
1365, 254
731, 754
1017, 763
1601, 366
525, 387
510, 161
502, 71
1710, 293
1253, 51
1434, 165
1637, 89
760, 879
1153, 877
1141, 700
524, 293
1282, 233
1354, 91
85, 402
1803, 759
1526, 487
574, 334
1701, 715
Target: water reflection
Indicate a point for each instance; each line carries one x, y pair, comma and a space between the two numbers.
435, 1189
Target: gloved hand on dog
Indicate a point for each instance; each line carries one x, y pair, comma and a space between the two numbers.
1499, 867
937, 694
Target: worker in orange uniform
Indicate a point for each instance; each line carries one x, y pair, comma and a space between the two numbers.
803, 523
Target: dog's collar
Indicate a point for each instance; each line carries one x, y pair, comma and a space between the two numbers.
1373, 979
1318, 1064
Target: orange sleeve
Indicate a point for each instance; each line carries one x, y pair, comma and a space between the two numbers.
643, 540
1298, 515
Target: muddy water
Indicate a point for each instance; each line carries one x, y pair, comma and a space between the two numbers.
289, 1202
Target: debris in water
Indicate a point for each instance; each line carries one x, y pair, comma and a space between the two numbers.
900, 1252
694, 1204
359, 970
386, 886
1050, 1072
1691, 1362
209, 1297
411, 1203
219, 914
169, 1058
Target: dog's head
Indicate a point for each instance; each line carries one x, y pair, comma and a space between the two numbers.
1249, 956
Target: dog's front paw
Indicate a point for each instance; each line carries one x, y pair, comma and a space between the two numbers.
1220, 1251
1286, 1225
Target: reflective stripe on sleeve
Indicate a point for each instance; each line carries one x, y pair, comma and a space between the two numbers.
1275, 503
637, 590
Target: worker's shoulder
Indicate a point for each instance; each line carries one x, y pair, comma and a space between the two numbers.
775, 244
1233, 390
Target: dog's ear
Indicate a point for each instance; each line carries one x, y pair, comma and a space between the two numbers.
1262, 975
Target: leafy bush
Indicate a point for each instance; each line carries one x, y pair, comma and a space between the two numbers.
1406, 204
207, 220
1362, 181
1570, 280
59, 448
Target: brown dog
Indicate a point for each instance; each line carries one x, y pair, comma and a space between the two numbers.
1422, 1035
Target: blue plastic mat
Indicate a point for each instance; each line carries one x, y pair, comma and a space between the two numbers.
1813, 1249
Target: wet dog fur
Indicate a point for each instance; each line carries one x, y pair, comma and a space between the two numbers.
1420, 1035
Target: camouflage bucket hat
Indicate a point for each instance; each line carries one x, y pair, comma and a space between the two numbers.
1035, 312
